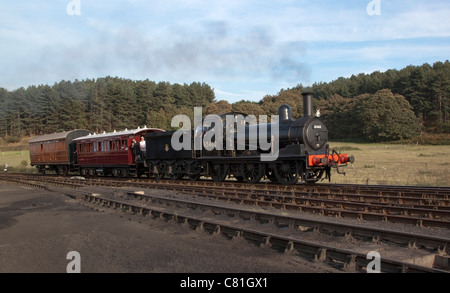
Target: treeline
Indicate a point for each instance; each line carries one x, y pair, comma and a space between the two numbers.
104, 104
382, 116
426, 88
391, 105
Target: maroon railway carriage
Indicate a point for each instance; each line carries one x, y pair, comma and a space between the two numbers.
56, 151
111, 153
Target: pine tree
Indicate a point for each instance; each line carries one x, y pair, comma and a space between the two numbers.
3, 122
144, 97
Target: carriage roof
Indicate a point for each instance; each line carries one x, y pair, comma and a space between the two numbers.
125, 132
59, 136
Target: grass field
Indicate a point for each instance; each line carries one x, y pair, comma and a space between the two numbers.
374, 164
16, 161
395, 164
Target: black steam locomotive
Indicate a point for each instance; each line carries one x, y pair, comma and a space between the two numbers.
283, 151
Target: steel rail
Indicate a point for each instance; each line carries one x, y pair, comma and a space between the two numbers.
441, 245
426, 217
350, 260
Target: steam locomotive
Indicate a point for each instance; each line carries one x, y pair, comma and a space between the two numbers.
298, 150
285, 150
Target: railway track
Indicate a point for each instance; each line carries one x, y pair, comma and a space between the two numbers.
302, 224
241, 204
348, 260
428, 207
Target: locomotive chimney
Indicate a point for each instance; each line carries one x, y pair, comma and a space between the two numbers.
307, 94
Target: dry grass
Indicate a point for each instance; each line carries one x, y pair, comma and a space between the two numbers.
16, 161
395, 164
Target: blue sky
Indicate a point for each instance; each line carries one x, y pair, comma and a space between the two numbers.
244, 49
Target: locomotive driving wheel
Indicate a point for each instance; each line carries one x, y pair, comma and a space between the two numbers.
252, 172
159, 174
176, 174
287, 172
219, 171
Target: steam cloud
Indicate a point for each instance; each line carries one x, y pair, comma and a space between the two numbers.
214, 50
